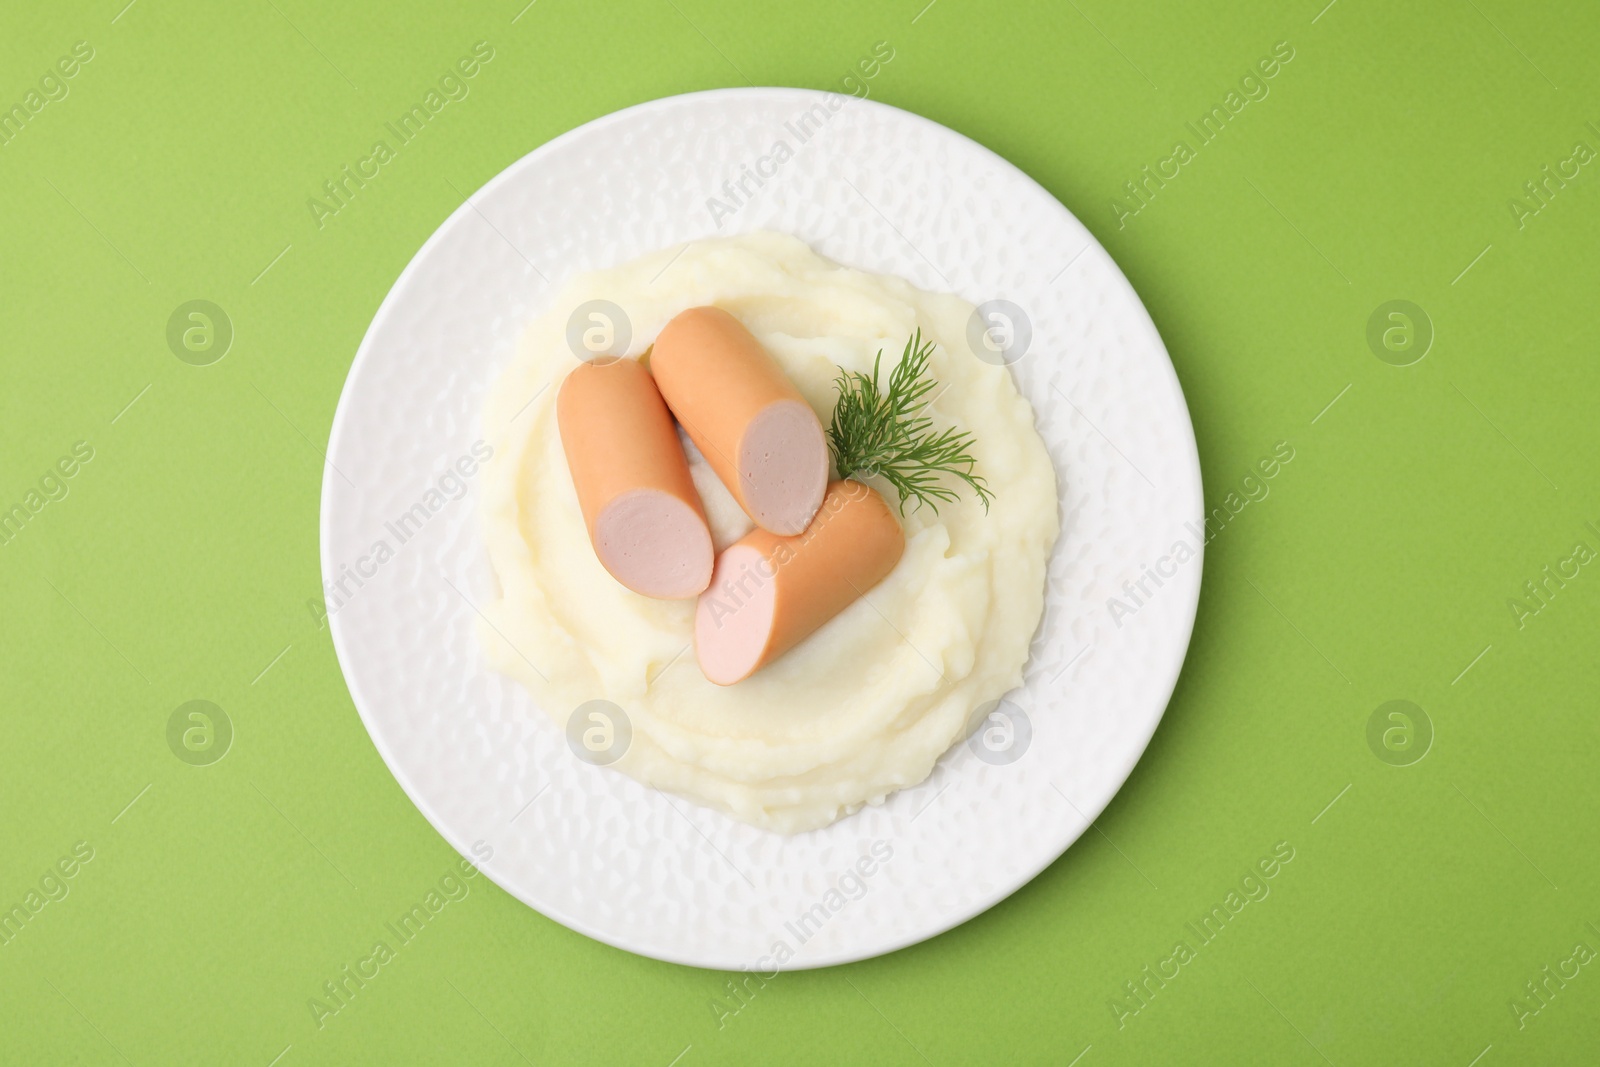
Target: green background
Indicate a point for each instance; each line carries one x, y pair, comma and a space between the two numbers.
181, 562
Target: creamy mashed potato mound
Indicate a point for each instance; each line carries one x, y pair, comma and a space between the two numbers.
868, 703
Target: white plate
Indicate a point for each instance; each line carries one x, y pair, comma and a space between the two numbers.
872, 187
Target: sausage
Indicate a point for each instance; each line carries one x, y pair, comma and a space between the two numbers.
754, 428
769, 593
639, 503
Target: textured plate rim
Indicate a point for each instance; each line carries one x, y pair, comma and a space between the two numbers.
364, 352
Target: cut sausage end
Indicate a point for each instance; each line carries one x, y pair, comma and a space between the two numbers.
783, 467
733, 621
655, 544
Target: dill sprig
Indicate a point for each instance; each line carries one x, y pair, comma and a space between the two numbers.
887, 434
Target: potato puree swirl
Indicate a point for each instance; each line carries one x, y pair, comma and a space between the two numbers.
867, 704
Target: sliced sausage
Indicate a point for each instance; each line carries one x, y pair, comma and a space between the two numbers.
769, 593
645, 519
753, 426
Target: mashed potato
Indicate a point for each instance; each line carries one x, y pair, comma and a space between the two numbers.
866, 704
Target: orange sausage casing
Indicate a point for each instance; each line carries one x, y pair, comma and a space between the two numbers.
769, 593
639, 503
747, 418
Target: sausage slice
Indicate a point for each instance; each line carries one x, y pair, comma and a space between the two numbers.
639, 503
753, 426
769, 593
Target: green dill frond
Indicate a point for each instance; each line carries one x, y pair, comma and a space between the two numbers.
885, 432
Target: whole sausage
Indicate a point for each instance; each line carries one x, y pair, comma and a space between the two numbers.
639, 503
769, 593
754, 428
